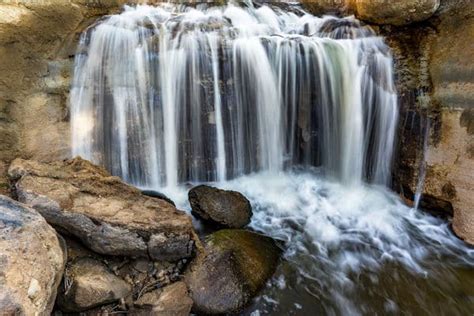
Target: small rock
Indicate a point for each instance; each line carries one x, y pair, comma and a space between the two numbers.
88, 283
228, 208
172, 300
34, 289
236, 266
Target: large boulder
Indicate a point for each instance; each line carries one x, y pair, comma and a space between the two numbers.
107, 215
32, 259
228, 208
395, 12
89, 283
236, 266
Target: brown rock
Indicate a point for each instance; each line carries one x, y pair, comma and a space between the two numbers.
395, 12
228, 208
334, 7
107, 215
172, 300
450, 174
89, 283
236, 266
32, 259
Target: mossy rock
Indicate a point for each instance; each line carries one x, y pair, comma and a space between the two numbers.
256, 255
236, 266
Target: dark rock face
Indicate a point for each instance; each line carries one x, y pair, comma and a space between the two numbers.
32, 261
107, 215
228, 208
89, 283
236, 266
158, 195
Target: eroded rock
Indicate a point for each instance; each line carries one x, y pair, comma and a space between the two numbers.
107, 215
395, 12
89, 283
172, 300
32, 259
322, 7
236, 266
228, 208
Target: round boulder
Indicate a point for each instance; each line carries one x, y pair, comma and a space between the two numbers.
32, 259
236, 266
228, 208
395, 12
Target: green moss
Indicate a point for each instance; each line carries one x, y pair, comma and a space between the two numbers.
255, 255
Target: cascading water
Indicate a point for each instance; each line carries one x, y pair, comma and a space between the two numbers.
173, 94
256, 98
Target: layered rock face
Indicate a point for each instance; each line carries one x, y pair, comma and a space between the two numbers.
38, 40
450, 156
110, 217
436, 84
32, 259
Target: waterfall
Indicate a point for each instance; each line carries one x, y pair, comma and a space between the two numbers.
253, 98
170, 94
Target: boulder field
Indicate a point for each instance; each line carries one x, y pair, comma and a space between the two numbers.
98, 245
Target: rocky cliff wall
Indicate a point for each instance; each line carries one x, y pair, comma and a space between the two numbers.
37, 44
434, 69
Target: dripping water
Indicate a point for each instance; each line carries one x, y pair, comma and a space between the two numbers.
423, 163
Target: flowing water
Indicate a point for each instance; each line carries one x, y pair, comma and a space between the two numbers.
297, 112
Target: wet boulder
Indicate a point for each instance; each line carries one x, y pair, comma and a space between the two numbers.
227, 208
89, 283
107, 215
236, 265
32, 259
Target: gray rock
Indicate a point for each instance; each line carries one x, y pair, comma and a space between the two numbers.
32, 259
107, 215
228, 208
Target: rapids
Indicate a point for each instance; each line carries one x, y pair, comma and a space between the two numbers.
299, 113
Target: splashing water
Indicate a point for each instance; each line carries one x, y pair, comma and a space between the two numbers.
353, 250
169, 94
241, 95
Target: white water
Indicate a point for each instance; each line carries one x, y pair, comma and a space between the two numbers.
422, 170
168, 95
338, 236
